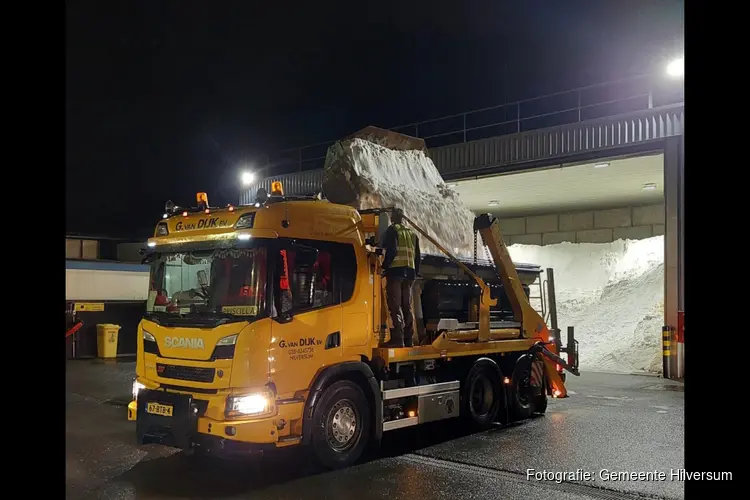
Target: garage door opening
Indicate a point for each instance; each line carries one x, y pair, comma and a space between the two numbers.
600, 226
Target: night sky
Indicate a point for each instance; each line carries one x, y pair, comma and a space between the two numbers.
167, 98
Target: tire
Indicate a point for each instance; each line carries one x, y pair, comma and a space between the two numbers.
540, 403
521, 397
341, 425
482, 395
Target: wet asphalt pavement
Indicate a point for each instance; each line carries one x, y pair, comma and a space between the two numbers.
616, 422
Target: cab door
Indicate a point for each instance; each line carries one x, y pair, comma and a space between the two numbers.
307, 319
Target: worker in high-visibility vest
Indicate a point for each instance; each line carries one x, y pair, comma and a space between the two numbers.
401, 266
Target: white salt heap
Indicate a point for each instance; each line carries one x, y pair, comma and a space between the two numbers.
381, 177
613, 294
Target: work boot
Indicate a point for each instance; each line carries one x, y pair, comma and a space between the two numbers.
395, 342
409, 341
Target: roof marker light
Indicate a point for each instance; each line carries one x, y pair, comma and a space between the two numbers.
165, 216
208, 211
184, 214
231, 208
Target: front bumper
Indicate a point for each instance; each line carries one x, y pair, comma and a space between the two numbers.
186, 429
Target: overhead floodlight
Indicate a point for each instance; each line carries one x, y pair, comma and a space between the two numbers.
676, 68
247, 178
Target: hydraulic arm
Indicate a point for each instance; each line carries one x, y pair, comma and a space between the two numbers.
532, 323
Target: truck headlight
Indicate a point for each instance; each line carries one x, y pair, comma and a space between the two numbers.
149, 343
250, 405
137, 386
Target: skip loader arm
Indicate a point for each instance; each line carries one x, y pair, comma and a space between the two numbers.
550, 359
532, 323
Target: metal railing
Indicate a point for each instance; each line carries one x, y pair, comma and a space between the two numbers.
559, 108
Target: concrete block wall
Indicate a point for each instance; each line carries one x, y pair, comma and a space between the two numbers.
589, 226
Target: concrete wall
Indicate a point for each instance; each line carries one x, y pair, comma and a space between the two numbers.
590, 226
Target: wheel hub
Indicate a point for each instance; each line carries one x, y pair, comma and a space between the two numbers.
343, 424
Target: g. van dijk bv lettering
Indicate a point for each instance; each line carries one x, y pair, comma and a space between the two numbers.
201, 224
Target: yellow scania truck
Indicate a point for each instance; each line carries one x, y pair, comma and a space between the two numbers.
264, 322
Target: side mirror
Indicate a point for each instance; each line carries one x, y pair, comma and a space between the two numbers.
284, 317
148, 257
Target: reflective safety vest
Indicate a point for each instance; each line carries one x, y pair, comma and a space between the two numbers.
404, 247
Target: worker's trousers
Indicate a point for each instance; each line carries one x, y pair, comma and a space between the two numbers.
398, 291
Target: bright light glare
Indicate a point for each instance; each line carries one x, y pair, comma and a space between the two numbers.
249, 405
137, 386
243, 236
151, 244
247, 178
676, 68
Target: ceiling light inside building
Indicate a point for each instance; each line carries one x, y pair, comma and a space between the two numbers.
601, 165
452, 185
649, 186
493, 203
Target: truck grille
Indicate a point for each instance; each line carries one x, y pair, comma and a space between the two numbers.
192, 373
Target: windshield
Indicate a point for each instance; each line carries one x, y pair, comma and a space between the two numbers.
226, 281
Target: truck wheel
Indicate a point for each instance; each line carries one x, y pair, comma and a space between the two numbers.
341, 424
482, 395
521, 394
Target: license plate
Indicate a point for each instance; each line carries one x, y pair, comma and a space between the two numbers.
159, 409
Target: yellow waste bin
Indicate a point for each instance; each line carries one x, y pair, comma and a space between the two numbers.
106, 340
